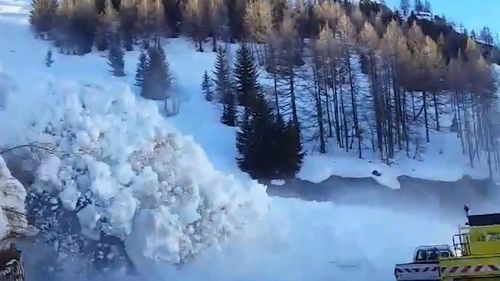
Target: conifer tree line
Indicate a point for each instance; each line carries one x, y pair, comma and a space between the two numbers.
268, 144
312, 52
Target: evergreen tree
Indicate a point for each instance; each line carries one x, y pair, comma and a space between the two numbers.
229, 109
246, 77
268, 147
222, 74
223, 89
48, 59
115, 58
255, 141
142, 66
157, 77
207, 87
288, 150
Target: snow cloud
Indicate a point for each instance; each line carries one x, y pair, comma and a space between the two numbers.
141, 180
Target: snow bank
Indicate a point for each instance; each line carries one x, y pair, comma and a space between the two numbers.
145, 183
442, 161
278, 182
318, 168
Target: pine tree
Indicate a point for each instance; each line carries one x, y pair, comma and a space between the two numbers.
246, 77
229, 109
222, 75
142, 66
255, 141
115, 58
223, 89
268, 147
287, 149
48, 58
207, 87
157, 77
292, 150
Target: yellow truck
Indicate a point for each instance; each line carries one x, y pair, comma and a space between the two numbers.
478, 251
475, 256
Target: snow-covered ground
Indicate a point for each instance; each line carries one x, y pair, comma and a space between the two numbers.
78, 107
442, 161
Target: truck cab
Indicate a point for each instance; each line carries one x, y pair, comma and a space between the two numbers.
425, 264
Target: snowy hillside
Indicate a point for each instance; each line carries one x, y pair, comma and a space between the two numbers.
114, 152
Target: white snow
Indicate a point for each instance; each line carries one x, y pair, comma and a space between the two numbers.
278, 182
442, 161
301, 241
117, 148
136, 167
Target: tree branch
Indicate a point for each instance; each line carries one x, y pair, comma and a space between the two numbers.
30, 145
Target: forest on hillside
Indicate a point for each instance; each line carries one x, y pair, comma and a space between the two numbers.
358, 77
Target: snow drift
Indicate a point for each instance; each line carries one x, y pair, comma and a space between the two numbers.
115, 160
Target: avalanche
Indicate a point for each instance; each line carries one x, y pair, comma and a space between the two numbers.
115, 159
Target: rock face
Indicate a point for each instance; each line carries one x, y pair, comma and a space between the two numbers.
13, 224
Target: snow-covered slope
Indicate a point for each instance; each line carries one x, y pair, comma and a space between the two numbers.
142, 180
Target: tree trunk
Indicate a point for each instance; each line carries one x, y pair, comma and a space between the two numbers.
276, 98
377, 105
354, 104
319, 110
436, 110
292, 97
336, 107
214, 44
344, 121
327, 101
426, 117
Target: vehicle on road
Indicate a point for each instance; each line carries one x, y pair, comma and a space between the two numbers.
475, 255
425, 264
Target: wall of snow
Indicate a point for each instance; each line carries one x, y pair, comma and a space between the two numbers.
114, 158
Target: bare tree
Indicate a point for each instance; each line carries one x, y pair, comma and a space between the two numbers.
197, 20
347, 34
258, 22
218, 19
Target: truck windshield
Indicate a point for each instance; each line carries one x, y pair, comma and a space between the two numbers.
431, 255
